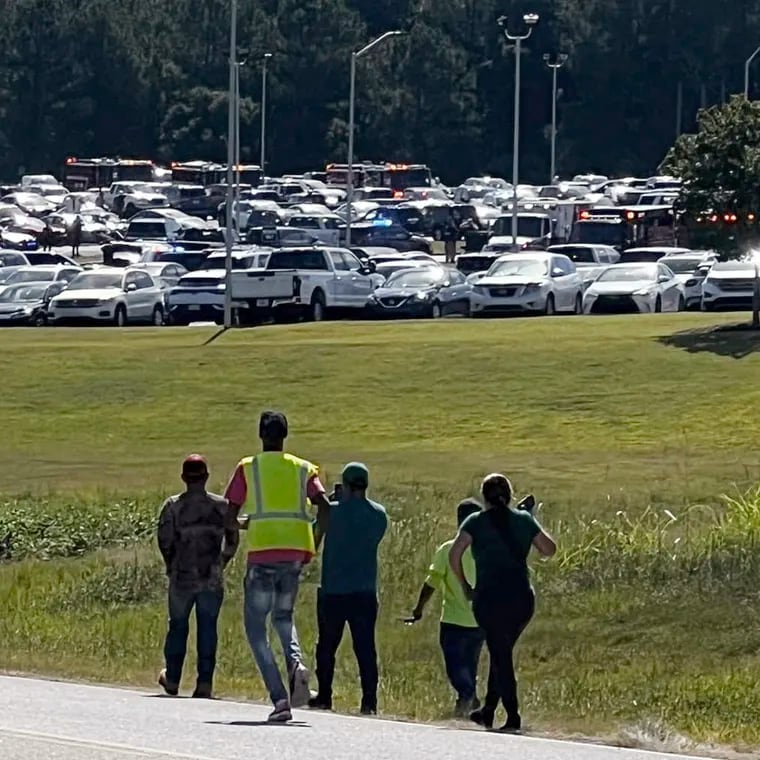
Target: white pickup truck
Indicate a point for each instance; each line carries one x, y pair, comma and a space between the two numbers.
304, 282
199, 295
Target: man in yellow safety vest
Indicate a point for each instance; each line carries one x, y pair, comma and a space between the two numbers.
273, 489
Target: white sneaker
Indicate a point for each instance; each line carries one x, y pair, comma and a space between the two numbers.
281, 712
299, 686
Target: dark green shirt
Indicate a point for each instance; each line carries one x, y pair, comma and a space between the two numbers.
349, 558
501, 564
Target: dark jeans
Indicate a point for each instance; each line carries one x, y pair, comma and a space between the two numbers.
503, 619
360, 612
461, 653
207, 606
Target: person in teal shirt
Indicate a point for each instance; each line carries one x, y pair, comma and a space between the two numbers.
348, 591
460, 637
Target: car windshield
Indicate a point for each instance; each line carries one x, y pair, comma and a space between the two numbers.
23, 293
579, 255
96, 281
521, 267
419, 278
628, 274
29, 275
682, 266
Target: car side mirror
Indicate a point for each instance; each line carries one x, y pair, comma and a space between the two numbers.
131, 287
557, 272
663, 278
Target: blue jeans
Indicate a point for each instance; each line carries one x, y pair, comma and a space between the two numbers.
461, 653
272, 589
207, 606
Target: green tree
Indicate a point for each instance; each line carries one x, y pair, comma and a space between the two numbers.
720, 168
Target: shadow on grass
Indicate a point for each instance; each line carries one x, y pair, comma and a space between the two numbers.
257, 723
736, 341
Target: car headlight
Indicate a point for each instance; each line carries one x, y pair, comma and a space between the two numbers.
644, 292
478, 289
422, 295
532, 288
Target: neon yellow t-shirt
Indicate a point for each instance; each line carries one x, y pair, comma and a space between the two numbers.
456, 608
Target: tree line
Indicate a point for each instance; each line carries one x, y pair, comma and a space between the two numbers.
149, 78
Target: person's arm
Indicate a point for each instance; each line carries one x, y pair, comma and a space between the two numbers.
426, 594
544, 544
461, 544
231, 534
165, 533
317, 495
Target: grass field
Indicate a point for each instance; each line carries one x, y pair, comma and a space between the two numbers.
629, 430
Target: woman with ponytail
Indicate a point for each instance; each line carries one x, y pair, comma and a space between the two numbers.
503, 599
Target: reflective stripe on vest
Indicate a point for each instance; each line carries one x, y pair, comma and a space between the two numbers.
276, 502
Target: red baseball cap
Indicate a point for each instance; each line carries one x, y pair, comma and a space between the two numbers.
195, 466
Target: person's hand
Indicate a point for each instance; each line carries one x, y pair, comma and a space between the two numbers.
415, 617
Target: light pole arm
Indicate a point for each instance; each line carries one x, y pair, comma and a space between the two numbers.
746, 71
381, 38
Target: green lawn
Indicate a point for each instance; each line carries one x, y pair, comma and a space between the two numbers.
609, 421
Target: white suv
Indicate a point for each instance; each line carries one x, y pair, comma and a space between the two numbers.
110, 295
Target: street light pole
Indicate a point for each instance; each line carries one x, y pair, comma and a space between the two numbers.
747, 64
351, 123
237, 139
230, 165
267, 56
530, 20
555, 67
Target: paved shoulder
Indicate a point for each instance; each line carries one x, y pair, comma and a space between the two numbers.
66, 721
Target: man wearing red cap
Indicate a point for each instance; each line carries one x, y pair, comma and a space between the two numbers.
197, 537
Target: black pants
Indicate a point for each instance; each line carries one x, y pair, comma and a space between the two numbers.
461, 649
360, 612
503, 618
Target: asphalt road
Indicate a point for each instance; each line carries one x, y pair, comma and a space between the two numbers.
57, 721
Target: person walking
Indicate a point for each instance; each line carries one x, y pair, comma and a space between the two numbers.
75, 235
197, 540
503, 599
460, 637
348, 592
274, 488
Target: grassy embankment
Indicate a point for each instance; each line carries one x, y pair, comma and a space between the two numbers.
627, 429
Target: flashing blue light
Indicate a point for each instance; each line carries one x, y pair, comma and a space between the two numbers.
382, 223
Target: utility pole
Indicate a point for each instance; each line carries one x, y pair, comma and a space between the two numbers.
555, 65
230, 165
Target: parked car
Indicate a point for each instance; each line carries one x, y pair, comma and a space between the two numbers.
112, 296
388, 236
690, 270
590, 260
529, 283
633, 289
165, 273
426, 291
729, 285
26, 303
648, 254
13, 259
44, 273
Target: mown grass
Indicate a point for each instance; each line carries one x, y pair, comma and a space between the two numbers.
628, 437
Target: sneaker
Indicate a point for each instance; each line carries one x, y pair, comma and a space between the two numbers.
172, 689
300, 694
368, 708
483, 717
512, 726
320, 703
281, 712
203, 691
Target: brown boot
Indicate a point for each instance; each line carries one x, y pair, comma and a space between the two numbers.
172, 689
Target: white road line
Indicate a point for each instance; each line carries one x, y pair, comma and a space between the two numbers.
69, 741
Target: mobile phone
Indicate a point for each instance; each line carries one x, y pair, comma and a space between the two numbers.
527, 504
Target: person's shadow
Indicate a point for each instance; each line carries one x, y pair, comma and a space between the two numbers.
735, 341
258, 723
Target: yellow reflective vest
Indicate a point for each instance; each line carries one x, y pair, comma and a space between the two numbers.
276, 502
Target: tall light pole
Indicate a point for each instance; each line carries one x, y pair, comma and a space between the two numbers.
555, 64
351, 106
238, 64
230, 165
529, 20
746, 71
262, 162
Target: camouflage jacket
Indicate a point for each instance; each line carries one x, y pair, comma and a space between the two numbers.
197, 537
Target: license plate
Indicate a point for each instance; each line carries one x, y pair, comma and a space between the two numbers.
194, 307
262, 302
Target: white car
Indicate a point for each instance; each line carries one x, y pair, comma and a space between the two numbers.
690, 270
729, 285
634, 289
166, 273
113, 296
529, 283
43, 273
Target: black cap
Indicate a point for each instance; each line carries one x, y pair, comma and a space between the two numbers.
273, 426
466, 508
